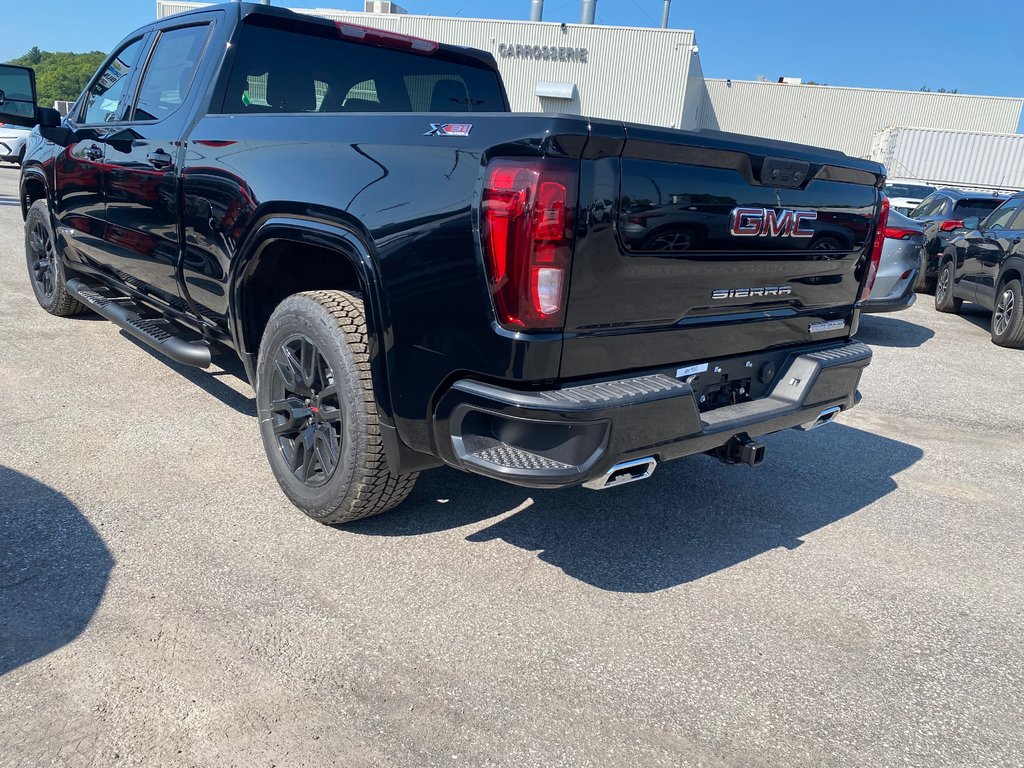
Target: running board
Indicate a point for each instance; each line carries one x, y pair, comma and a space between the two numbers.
159, 334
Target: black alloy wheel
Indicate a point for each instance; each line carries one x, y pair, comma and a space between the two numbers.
41, 259
44, 269
308, 421
318, 412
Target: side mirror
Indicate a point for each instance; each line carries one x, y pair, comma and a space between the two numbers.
48, 117
971, 222
17, 95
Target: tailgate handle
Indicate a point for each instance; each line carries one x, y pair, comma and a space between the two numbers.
780, 172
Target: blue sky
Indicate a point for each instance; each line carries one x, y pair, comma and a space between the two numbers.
868, 43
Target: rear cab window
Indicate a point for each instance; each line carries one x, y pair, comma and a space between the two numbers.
313, 69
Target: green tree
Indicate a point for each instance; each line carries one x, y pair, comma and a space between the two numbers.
60, 75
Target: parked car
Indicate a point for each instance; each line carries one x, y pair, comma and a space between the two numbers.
897, 271
986, 265
428, 286
906, 197
13, 139
942, 214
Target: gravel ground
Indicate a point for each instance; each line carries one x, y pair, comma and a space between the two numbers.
855, 601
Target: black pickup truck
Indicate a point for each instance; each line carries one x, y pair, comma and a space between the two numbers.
412, 276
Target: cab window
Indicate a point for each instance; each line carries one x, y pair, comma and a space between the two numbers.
170, 72
107, 94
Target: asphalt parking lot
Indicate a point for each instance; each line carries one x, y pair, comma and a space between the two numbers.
856, 601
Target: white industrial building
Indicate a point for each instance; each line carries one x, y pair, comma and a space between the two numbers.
846, 119
964, 159
654, 76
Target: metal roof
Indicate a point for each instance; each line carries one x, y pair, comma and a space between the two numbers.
845, 118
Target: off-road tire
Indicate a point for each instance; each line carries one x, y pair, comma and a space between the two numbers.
944, 299
1013, 333
41, 246
361, 484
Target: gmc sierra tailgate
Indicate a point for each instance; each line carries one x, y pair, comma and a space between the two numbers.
695, 246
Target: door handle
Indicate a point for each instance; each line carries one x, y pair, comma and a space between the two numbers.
159, 159
93, 153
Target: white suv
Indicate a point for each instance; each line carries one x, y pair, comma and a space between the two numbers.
12, 143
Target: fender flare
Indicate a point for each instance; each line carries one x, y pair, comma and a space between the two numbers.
349, 244
1014, 262
33, 173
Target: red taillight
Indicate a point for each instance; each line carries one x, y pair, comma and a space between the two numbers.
526, 230
876, 248
949, 226
383, 37
895, 233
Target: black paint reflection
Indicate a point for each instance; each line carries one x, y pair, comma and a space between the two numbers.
660, 212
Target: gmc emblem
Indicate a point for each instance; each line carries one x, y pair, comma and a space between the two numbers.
767, 222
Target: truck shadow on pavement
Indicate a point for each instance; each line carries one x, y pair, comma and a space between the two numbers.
885, 331
54, 568
693, 518
209, 380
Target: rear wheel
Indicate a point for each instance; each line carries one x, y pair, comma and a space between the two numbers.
318, 414
1008, 317
44, 268
924, 283
945, 301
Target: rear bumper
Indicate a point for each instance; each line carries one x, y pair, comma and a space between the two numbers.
569, 436
891, 303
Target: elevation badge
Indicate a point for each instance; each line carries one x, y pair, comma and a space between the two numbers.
449, 129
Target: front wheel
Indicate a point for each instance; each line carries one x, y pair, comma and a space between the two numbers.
318, 414
44, 268
945, 301
1008, 317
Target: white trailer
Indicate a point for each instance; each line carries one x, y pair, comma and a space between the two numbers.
944, 158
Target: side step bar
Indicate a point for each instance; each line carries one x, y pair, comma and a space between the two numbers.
159, 334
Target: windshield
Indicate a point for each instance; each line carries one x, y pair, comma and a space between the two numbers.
916, 191
974, 207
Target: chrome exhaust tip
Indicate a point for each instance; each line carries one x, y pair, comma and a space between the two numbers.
623, 473
823, 418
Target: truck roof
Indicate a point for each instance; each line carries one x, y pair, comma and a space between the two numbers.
245, 11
